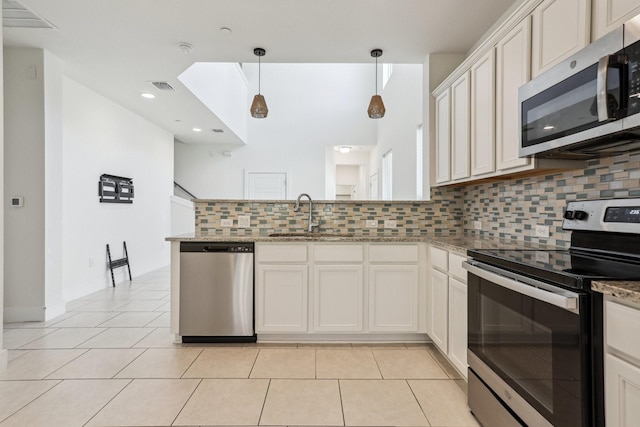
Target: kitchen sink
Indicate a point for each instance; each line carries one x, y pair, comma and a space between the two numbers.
307, 234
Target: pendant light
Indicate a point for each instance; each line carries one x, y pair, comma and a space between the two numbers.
376, 106
259, 108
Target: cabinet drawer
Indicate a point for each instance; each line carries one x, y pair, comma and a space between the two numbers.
273, 252
439, 258
338, 253
393, 253
622, 325
455, 267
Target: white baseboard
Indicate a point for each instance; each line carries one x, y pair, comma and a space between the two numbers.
4, 359
24, 314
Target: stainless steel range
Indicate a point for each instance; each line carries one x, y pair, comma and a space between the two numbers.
535, 326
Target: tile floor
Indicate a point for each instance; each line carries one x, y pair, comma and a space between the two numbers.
110, 361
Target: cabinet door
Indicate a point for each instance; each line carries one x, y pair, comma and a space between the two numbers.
281, 298
609, 14
439, 307
458, 324
460, 127
443, 138
337, 298
512, 71
622, 392
483, 106
560, 29
393, 298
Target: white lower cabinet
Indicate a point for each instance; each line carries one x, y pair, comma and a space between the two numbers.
393, 298
622, 364
338, 300
339, 288
281, 298
447, 305
458, 324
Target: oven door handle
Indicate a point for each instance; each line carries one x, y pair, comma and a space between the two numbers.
535, 289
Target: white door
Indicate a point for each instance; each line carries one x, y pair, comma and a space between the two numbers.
281, 298
393, 298
457, 339
439, 303
337, 298
266, 185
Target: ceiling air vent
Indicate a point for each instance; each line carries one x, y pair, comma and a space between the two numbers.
162, 86
15, 15
217, 130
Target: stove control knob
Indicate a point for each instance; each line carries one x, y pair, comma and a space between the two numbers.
568, 215
580, 215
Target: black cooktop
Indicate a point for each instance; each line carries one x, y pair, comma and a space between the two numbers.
569, 268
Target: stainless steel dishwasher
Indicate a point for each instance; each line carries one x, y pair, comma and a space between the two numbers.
216, 292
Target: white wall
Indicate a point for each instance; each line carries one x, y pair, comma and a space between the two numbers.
3, 352
183, 218
315, 105
24, 273
402, 98
103, 137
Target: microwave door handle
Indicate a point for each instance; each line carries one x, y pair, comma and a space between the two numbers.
602, 89
530, 287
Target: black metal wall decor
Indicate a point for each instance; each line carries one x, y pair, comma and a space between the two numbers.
115, 189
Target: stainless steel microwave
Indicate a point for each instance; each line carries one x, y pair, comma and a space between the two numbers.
589, 104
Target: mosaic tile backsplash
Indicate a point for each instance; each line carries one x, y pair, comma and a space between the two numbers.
412, 218
509, 209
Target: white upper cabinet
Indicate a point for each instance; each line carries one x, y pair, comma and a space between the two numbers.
443, 138
513, 56
609, 14
560, 28
460, 139
483, 104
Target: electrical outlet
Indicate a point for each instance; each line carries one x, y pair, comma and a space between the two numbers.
226, 223
244, 221
542, 231
371, 223
477, 225
389, 223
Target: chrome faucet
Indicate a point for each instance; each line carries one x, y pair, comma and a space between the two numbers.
297, 209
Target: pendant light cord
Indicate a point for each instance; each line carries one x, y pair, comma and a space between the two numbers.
259, 75
376, 75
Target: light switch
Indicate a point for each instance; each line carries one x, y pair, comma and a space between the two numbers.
17, 202
244, 221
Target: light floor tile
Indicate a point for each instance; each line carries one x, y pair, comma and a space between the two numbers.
37, 364
47, 324
64, 338
141, 305
159, 338
110, 294
408, 364
354, 363
225, 402
303, 402
285, 363
162, 321
16, 338
71, 306
146, 402
164, 308
14, 354
117, 338
443, 402
226, 362
70, 403
86, 319
380, 403
161, 363
16, 394
130, 319
150, 295
97, 363
452, 372
100, 306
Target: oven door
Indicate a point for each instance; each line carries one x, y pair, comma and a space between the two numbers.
528, 343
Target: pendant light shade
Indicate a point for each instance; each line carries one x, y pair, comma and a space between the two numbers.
376, 106
259, 108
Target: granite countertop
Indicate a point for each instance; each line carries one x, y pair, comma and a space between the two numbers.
625, 290
456, 244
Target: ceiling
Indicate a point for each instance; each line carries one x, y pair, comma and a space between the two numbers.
117, 47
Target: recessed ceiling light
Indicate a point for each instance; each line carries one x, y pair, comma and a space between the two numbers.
147, 95
225, 30
345, 150
196, 130
185, 48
